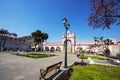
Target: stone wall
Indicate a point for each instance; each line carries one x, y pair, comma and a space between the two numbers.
15, 45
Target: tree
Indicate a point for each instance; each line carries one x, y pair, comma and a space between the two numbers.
107, 42
4, 34
39, 37
81, 51
44, 36
104, 13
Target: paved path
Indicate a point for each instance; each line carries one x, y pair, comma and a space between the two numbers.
14, 67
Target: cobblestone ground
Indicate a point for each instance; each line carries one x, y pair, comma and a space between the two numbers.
14, 67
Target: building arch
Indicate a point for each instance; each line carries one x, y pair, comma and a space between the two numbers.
70, 37
46, 48
52, 49
58, 49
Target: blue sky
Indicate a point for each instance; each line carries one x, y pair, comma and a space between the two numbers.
26, 16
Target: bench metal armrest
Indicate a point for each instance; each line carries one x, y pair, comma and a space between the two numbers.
42, 72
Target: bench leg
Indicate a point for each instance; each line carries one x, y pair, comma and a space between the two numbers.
59, 70
40, 78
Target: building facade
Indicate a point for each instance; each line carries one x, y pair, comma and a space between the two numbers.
71, 38
74, 45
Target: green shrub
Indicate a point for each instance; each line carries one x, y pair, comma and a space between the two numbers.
3, 51
37, 55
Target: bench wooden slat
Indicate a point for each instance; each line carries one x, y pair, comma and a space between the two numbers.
52, 67
43, 73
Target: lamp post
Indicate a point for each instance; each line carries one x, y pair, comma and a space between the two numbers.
67, 25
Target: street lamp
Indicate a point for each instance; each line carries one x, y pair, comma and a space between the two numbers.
67, 25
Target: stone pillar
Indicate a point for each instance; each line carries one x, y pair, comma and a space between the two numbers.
73, 48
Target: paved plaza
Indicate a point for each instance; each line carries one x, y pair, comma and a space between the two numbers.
14, 67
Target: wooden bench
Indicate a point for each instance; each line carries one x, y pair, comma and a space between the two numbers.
44, 72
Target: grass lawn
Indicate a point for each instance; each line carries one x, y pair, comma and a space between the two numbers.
93, 57
95, 72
